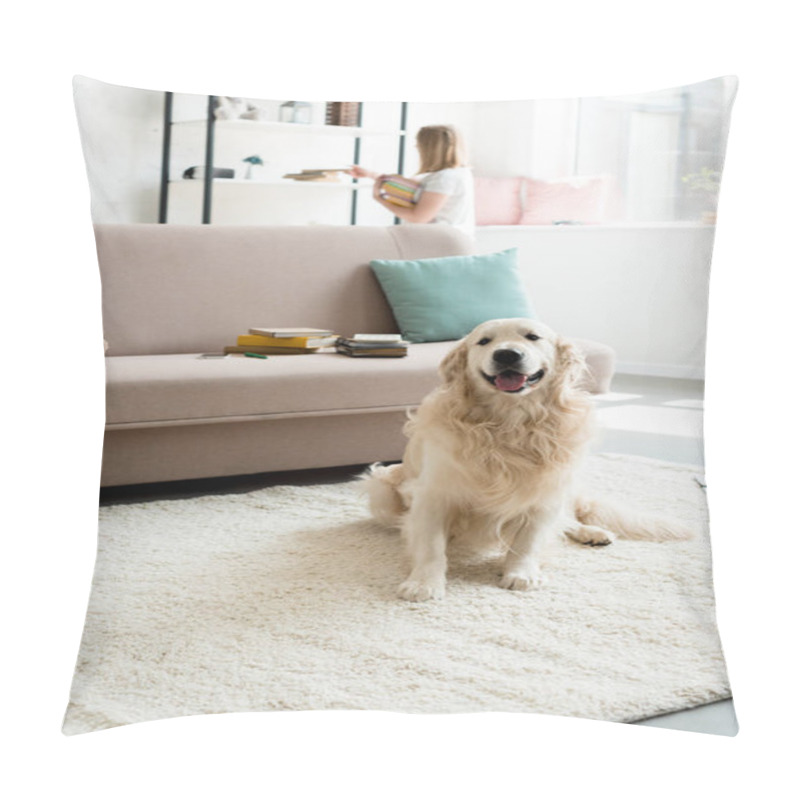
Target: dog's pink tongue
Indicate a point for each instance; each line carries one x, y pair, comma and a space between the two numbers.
510, 381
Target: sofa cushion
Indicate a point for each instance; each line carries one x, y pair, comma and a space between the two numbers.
195, 288
184, 388
436, 299
601, 362
143, 391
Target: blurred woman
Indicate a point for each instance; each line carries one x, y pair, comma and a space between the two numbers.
447, 193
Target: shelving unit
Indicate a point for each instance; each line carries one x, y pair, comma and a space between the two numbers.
287, 182
288, 127
214, 126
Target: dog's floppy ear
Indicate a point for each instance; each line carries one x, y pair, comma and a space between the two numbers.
570, 366
454, 364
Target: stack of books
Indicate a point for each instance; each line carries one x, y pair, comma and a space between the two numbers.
373, 345
283, 341
398, 190
341, 114
316, 175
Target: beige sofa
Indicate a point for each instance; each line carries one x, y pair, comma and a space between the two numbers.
171, 292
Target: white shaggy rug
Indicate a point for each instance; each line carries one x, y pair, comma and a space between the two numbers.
284, 598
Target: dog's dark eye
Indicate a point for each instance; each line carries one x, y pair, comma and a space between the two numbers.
532, 336
484, 341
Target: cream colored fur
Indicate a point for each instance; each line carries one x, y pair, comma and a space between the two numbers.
497, 465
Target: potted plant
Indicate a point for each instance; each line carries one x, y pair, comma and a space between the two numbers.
705, 184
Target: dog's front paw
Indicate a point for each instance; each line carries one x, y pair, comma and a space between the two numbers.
522, 581
591, 535
418, 591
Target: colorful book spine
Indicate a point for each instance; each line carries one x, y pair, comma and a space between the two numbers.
399, 190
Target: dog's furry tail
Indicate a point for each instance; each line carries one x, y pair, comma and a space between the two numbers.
385, 501
629, 524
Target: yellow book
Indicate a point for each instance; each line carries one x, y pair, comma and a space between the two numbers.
397, 201
249, 339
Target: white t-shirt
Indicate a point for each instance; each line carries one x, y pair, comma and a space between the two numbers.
459, 208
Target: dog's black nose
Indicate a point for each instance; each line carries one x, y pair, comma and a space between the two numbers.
507, 356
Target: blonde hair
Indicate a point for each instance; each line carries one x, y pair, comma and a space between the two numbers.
440, 147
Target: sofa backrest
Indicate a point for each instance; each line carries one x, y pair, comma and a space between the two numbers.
195, 288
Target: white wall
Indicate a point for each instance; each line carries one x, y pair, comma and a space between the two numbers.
643, 290
121, 134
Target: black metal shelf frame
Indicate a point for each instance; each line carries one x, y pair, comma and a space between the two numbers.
208, 181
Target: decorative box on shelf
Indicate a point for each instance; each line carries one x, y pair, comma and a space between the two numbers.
295, 112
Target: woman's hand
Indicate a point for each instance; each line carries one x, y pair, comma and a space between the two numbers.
357, 171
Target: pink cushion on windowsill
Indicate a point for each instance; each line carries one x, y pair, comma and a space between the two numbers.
587, 200
498, 201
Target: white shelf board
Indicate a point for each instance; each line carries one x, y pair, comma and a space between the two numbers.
289, 127
244, 181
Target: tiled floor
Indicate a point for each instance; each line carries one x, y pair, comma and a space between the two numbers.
654, 417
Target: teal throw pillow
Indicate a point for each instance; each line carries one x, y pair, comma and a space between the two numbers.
439, 299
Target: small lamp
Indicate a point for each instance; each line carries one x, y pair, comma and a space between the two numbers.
252, 161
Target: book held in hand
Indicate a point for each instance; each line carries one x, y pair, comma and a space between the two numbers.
399, 191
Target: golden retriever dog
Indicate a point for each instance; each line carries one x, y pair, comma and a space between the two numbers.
492, 457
